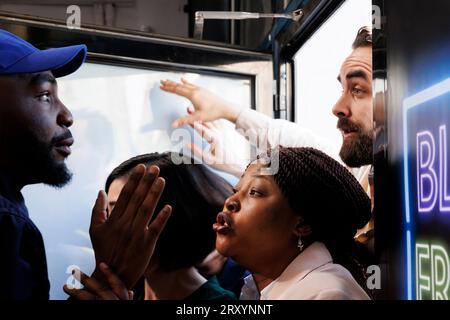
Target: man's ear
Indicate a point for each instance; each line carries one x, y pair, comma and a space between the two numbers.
302, 229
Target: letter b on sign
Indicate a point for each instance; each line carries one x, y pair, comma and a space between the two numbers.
432, 181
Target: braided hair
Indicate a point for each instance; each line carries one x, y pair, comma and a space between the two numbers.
328, 198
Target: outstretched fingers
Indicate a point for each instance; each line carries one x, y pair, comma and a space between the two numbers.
177, 88
204, 132
99, 213
127, 192
79, 294
140, 193
115, 283
190, 119
188, 85
147, 208
155, 228
93, 286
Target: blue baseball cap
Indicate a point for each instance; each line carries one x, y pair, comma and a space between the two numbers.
19, 56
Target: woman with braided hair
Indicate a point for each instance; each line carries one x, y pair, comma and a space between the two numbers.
294, 230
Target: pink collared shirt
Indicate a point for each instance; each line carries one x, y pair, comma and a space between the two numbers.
312, 275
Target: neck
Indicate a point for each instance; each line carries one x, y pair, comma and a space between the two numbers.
174, 285
267, 269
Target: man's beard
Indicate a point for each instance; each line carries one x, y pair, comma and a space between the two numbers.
356, 152
44, 167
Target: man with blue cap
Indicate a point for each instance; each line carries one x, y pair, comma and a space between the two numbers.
34, 142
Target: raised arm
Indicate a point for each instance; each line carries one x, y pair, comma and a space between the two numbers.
256, 127
206, 105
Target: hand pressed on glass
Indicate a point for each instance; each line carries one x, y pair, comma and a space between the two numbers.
125, 240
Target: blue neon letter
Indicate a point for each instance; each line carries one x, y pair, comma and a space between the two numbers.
427, 181
444, 202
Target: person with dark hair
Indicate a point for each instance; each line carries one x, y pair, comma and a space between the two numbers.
294, 230
295, 244
195, 194
35, 141
363, 38
354, 111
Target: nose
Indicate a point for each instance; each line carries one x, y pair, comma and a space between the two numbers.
232, 204
65, 117
342, 107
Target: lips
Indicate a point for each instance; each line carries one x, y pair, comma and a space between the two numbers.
347, 128
223, 224
347, 133
63, 146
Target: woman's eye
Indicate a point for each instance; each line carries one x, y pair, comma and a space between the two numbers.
44, 97
254, 192
235, 190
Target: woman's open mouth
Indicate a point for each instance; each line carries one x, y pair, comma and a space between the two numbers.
223, 224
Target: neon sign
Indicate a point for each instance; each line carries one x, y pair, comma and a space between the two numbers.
432, 185
426, 123
432, 275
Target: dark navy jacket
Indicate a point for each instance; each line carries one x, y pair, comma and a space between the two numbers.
23, 265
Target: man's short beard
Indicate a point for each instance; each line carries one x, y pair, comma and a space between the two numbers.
357, 152
44, 168
55, 174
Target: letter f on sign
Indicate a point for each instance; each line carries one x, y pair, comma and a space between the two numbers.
427, 181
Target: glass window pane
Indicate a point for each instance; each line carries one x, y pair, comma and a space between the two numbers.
119, 113
317, 66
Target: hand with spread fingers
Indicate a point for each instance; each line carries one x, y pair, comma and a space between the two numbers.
125, 240
113, 289
217, 155
207, 106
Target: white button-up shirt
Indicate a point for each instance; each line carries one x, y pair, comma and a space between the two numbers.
289, 134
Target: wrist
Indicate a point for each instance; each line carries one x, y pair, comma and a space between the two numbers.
231, 113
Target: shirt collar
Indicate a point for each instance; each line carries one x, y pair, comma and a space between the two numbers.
11, 199
313, 257
249, 291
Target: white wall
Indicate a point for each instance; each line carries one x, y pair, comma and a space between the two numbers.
317, 66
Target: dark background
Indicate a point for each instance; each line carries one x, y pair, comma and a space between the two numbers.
411, 53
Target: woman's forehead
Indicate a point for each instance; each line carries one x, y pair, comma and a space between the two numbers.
254, 171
